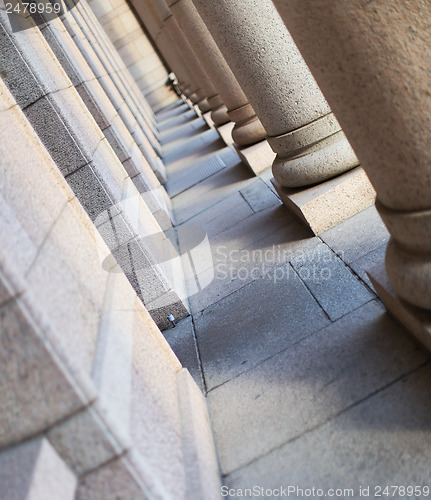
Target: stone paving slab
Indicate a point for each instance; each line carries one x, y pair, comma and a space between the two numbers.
308, 383
383, 441
187, 130
251, 249
182, 342
357, 236
178, 108
259, 196
254, 323
177, 154
175, 121
209, 192
248, 234
253, 240
367, 262
223, 215
207, 166
207, 146
331, 282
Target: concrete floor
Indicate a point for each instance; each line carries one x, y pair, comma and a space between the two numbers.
309, 382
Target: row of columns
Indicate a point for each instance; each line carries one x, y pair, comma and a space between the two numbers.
269, 94
373, 62
248, 129
364, 75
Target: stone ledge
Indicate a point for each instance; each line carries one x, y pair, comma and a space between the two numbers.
417, 321
257, 157
325, 205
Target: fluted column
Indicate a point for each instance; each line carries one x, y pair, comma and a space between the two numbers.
373, 62
248, 129
301, 128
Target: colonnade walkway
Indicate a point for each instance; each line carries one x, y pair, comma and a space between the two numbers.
309, 382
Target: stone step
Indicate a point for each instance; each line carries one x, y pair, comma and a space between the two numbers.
50, 302
115, 95
103, 112
148, 432
89, 164
83, 361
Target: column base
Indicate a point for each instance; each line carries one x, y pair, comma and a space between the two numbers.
416, 320
225, 132
204, 105
257, 157
325, 205
207, 118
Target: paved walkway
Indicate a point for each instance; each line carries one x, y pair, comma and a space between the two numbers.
309, 382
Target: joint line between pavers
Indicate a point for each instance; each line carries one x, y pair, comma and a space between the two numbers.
245, 199
198, 354
312, 294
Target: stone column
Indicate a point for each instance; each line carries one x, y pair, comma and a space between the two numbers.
310, 145
197, 34
201, 84
172, 56
373, 62
248, 130
203, 88
152, 20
